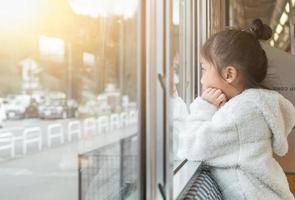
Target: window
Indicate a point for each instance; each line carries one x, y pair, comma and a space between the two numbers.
68, 99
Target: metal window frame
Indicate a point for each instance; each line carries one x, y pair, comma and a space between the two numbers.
167, 129
195, 28
187, 50
155, 124
203, 33
141, 79
153, 95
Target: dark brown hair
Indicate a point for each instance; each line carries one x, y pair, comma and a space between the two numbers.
241, 49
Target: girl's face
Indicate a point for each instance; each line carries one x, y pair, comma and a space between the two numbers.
228, 82
211, 77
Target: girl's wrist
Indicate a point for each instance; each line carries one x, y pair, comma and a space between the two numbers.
175, 93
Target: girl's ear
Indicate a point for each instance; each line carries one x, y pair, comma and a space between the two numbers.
230, 74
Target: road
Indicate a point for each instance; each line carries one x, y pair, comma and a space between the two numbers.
52, 172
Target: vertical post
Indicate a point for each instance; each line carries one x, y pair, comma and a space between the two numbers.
69, 71
167, 112
202, 26
187, 50
121, 176
227, 13
104, 69
292, 28
96, 75
182, 47
141, 96
121, 55
80, 184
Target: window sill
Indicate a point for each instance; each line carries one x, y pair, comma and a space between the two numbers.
184, 172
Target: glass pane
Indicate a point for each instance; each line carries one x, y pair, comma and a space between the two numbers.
177, 70
176, 46
274, 13
68, 106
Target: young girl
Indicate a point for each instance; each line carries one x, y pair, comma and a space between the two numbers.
237, 124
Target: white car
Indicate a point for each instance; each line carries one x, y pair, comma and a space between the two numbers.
17, 107
2, 114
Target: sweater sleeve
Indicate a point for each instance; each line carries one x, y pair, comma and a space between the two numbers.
205, 135
199, 108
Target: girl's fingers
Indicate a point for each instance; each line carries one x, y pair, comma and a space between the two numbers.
207, 91
217, 92
214, 96
212, 91
221, 96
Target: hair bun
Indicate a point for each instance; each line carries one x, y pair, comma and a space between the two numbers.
259, 30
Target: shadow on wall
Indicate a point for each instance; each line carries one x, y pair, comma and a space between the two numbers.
281, 78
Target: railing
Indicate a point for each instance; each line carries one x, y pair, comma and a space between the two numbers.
109, 172
38, 138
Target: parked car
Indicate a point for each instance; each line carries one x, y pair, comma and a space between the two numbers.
20, 107
17, 107
95, 108
2, 114
58, 109
9, 98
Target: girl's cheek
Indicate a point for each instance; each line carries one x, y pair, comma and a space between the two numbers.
203, 88
203, 78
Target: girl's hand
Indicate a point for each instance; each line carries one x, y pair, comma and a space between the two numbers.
174, 91
175, 81
214, 96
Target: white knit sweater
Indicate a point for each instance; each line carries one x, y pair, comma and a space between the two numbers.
238, 141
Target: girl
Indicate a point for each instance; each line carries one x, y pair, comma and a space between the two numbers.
237, 124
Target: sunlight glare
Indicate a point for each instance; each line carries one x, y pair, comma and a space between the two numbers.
17, 11
52, 48
103, 8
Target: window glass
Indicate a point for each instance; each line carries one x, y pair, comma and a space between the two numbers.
68, 106
175, 44
177, 70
